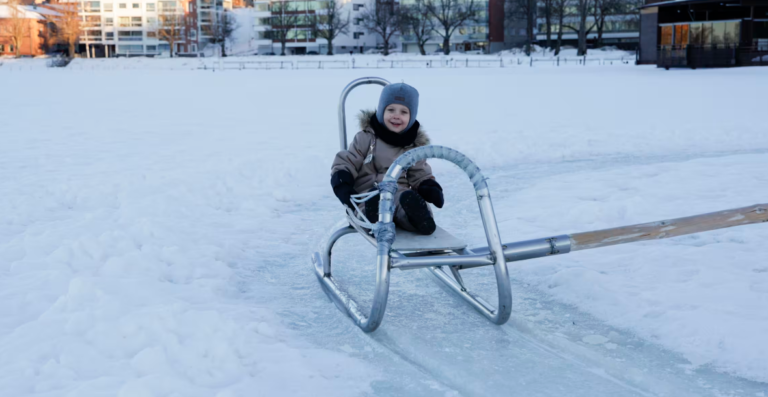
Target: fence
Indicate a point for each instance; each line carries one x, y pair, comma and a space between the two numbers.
449, 63
722, 55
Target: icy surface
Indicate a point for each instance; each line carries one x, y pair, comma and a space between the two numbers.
156, 227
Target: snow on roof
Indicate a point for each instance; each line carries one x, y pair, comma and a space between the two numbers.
6, 12
43, 11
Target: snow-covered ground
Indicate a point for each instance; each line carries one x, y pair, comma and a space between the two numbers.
156, 227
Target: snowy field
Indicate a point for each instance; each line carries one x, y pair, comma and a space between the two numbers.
156, 228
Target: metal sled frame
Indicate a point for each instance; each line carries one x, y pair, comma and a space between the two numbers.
444, 257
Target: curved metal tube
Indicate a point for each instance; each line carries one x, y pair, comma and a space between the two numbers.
385, 233
343, 100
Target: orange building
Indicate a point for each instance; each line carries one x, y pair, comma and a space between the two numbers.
25, 30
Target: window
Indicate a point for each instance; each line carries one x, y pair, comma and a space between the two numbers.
151, 48
151, 35
358, 34
107, 7
130, 49
760, 35
706, 33
136, 22
193, 34
133, 35
696, 34
92, 21
718, 33
136, 5
2, 47
732, 32
666, 35
109, 35
358, 21
262, 7
125, 22
151, 21
167, 6
681, 35
121, 5
357, 7
109, 21
151, 7
92, 6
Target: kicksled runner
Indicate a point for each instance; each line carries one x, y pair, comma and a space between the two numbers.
445, 256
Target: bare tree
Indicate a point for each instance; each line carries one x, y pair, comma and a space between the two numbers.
68, 25
450, 15
16, 25
220, 29
547, 10
417, 20
518, 10
560, 10
382, 18
170, 28
583, 10
282, 22
600, 11
331, 23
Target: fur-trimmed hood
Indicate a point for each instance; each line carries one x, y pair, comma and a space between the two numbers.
364, 118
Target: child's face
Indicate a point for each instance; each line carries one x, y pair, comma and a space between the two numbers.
396, 117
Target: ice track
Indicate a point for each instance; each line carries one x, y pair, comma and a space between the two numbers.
433, 343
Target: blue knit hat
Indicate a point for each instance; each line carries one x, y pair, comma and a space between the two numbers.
402, 94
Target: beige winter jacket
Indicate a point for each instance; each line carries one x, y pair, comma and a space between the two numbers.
365, 172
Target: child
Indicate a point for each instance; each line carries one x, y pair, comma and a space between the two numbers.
386, 134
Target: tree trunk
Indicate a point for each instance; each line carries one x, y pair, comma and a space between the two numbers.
446, 45
224, 49
582, 29
16, 46
71, 49
559, 35
386, 46
530, 21
170, 47
600, 27
548, 18
330, 47
282, 47
421, 48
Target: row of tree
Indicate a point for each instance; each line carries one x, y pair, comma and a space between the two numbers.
385, 18
589, 16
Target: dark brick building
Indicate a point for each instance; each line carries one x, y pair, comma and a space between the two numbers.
704, 33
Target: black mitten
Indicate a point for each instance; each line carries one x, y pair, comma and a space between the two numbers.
342, 182
432, 192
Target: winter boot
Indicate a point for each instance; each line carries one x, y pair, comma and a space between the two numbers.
372, 209
418, 212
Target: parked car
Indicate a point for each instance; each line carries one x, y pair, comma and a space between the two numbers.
268, 53
313, 53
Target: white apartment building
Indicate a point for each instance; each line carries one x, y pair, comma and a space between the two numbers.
129, 27
300, 36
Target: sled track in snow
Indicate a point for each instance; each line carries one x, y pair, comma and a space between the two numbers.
434, 344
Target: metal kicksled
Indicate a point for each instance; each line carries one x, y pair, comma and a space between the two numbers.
445, 256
